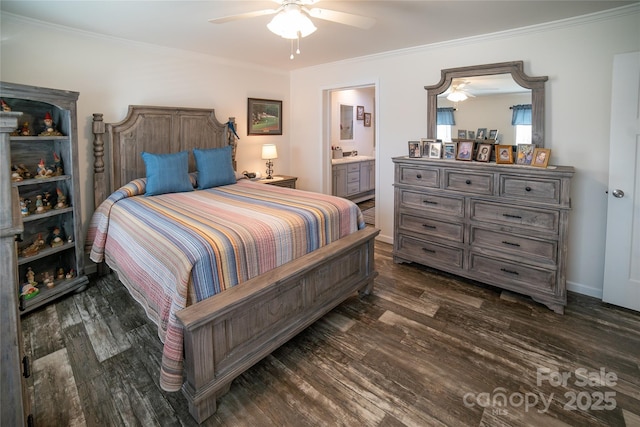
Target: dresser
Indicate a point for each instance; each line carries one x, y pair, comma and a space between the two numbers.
503, 225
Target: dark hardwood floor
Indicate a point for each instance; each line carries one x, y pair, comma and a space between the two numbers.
426, 349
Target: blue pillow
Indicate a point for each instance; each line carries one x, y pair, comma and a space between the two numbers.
215, 167
167, 173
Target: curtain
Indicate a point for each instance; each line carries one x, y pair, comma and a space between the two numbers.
445, 116
521, 114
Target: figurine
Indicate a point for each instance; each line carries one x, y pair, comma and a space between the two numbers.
39, 204
24, 206
47, 279
35, 247
62, 200
19, 173
49, 129
56, 238
31, 277
57, 165
24, 130
70, 274
42, 171
46, 201
60, 274
4, 105
28, 291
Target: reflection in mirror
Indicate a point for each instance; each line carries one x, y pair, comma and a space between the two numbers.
346, 122
482, 98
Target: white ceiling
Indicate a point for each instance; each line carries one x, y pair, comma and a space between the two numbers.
399, 24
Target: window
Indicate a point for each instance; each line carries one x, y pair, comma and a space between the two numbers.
523, 134
443, 133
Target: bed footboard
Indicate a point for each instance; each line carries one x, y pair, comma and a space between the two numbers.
227, 334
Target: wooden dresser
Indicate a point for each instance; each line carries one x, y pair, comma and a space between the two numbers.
503, 225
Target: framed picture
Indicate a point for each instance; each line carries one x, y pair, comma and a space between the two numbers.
524, 154
449, 150
435, 150
425, 146
541, 157
360, 112
504, 154
367, 119
493, 134
415, 149
264, 117
481, 133
471, 135
465, 150
484, 152
462, 134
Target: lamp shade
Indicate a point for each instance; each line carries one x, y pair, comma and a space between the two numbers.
269, 152
456, 96
291, 23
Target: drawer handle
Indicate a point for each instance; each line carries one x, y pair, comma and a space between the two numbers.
512, 216
510, 271
468, 182
429, 202
419, 176
433, 227
26, 370
527, 188
511, 244
431, 251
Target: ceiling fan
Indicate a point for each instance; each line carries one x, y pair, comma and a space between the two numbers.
458, 93
292, 19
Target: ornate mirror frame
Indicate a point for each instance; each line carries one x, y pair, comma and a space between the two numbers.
515, 68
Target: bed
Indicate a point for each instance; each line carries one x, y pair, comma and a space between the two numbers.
224, 292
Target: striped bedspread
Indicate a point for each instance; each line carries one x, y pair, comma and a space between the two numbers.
176, 249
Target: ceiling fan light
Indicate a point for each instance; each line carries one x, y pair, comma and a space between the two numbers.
291, 24
456, 96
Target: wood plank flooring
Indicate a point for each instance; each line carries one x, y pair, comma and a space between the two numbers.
426, 349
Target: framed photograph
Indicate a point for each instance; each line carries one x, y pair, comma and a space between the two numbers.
367, 120
481, 133
449, 150
493, 134
541, 157
504, 154
465, 150
524, 154
435, 150
264, 117
462, 134
471, 135
484, 152
425, 146
415, 149
360, 112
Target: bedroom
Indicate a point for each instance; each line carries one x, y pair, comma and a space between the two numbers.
110, 74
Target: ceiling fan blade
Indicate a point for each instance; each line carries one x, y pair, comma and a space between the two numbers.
362, 22
230, 18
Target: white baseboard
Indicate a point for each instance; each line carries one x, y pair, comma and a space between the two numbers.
585, 290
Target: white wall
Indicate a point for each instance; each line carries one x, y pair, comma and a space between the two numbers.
576, 55
111, 74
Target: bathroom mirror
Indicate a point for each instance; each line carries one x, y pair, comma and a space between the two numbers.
499, 77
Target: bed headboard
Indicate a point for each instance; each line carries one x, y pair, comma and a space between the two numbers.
156, 130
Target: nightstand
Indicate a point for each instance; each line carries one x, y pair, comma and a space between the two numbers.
280, 181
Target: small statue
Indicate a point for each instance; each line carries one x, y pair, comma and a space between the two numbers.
62, 200
70, 274
39, 204
35, 247
57, 165
24, 206
46, 201
56, 238
43, 171
60, 274
47, 279
24, 130
19, 173
31, 276
49, 129
4, 105
28, 290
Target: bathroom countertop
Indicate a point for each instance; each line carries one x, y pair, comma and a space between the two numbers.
351, 159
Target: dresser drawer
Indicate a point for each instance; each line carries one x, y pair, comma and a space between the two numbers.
431, 227
512, 275
477, 183
529, 218
425, 177
353, 187
541, 190
353, 177
519, 246
428, 253
432, 203
353, 167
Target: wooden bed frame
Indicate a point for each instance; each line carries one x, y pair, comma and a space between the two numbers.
227, 334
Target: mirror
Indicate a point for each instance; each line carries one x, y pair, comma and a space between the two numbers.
346, 122
492, 76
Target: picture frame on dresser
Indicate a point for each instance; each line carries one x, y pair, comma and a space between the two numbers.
484, 152
415, 149
465, 151
481, 133
524, 154
449, 150
462, 134
426, 142
504, 154
541, 157
435, 150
